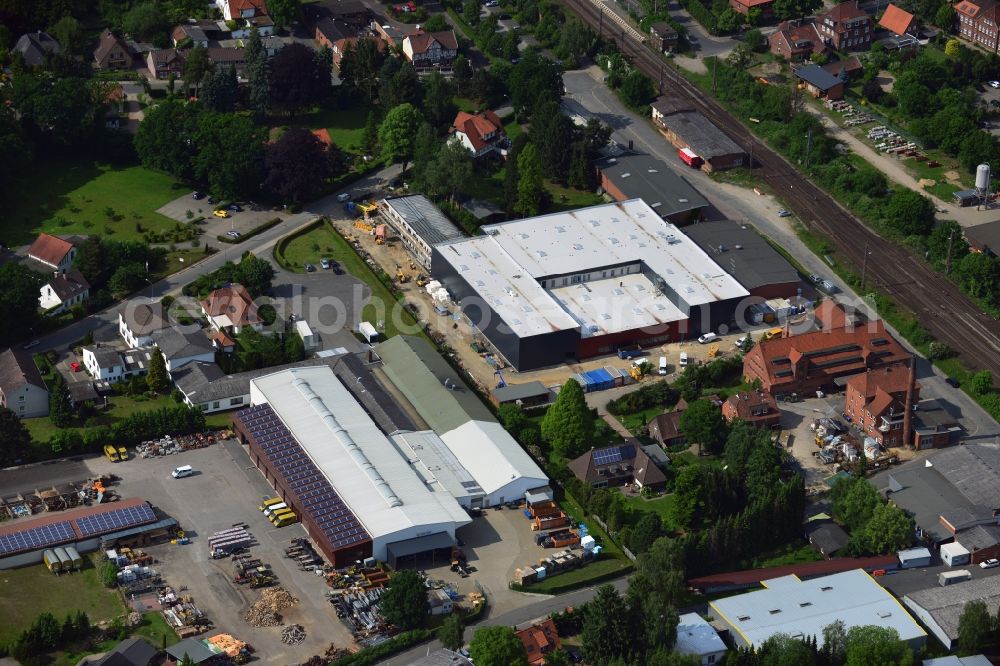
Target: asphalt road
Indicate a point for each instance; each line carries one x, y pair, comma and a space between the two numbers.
543, 607
588, 96
104, 324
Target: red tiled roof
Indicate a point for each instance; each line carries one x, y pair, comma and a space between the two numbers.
892, 380
896, 20
753, 3
806, 570
222, 339
49, 249
236, 7
234, 302
539, 639
421, 41
846, 11
830, 314
323, 135
477, 126
972, 9
742, 404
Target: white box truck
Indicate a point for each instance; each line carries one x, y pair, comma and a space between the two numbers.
949, 577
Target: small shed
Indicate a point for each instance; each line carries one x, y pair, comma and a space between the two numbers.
526, 395
194, 649
368, 331
914, 557
819, 82
954, 554
966, 197
306, 333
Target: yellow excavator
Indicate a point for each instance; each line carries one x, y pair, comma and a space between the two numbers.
368, 209
401, 277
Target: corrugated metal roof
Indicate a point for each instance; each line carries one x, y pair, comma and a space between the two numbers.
424, 218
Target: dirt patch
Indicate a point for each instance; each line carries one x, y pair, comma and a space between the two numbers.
952, 177
885, 80
927, 182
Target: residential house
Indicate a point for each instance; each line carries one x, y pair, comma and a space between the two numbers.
227, 57
618, 466
685, 128
179, 348
52, 251
138, 321
354, 13
112, 52
328, 31
979, 22
796, 40
231, 309
697, 638
222, 342
811, 361
820, 83
111, 365
130, 652
744, 7
481, 134
758, 408
34, 47
846, 27
430, 49
845, 69
161, 63
233, 10
539, 639
666, 429
189, 34
663, 35
22, 389
63, 290
263, 24
875, 401
899, 22
340, 47
117, 107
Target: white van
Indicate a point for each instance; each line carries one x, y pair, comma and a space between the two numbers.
663, 365
684, 359
181, 472
708, 337
275, 508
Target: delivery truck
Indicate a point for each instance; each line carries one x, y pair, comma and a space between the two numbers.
689, 157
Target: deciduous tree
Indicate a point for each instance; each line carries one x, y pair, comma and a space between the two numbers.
220, 92
451, 633
497, 646
656, 589
909, 213
870, 644
608, 629
702, 423
295, 166
18, 300
405, 600
982, 382
396, 134
165, 138
298, 80
975, 628
196, 67
145, 21
284, 12
439, 101
229, 150
258, 75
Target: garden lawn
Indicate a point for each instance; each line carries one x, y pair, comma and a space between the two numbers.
791, 554
27, 591
581, 577
663, 506
66, 196
346, 126
635, 421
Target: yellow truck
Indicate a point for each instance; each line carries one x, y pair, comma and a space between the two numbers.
269, 501
122, 453
111, 452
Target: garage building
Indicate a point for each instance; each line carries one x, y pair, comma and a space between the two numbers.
356, 495
487, 454
23, 541
586, 282
684, 127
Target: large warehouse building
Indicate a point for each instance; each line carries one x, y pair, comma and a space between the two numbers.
585, 282
356, 495
475, 457
23, 541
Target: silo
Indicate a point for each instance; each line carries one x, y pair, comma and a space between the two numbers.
983, 178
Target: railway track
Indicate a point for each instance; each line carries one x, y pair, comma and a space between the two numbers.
939, 305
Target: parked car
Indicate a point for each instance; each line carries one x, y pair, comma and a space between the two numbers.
74, 366
32, 344
232, 233
684, 359
989, 564
197, 195
342, 198
784, 213
337, 270
952, 382
815, 279
310, 268
324, 263
235, 208
994, 84
708, 337
220, 213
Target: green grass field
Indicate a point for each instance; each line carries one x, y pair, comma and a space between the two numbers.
322, 241
663, 506
580, 577
28, 591
346, 127
63, 196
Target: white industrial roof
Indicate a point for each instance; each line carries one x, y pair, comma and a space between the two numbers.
803, 608
491, 455
436, 464
506, 265
364, 467
695, 636
621, 304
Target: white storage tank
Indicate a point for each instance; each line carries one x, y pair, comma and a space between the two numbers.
983, 177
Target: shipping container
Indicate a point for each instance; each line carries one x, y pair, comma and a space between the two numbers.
689, 157
64, 558
74, 556
51, 561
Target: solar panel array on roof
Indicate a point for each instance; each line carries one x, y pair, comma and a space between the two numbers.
316, 496
614, 454
37, 537
115, 519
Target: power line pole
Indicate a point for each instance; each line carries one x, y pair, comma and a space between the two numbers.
947, 261
809, 145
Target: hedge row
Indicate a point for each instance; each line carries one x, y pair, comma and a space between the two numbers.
702, 15
385, 650
259, 229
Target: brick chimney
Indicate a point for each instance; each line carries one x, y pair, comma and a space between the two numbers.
908, 405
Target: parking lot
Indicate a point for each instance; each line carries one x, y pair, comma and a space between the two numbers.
242, 221
225, 490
